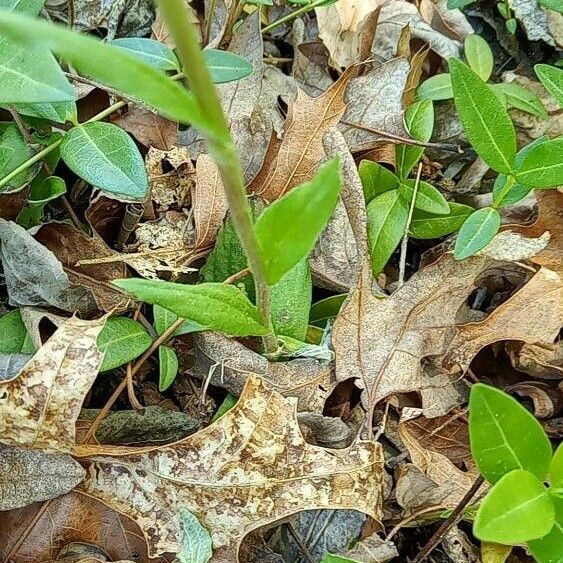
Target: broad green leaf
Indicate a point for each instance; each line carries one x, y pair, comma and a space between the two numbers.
552, 78
152, 52
167, 367
427, 225
428, 198
387, 221
453, 4
476, 232
197, 546
330, 558
122, 340
376, 179
163, 318
504, 435
556, 470
288, 229
521, 98
106, 157
13, 335
517, 509
228, 403
106, 64
479, 56
214, 305
542, 167
291, 301
485, 120
59, 112
43, 192
14, 150
549, 549
419, 123
326, 309
555, 5
437, 87
29, 7
225, 66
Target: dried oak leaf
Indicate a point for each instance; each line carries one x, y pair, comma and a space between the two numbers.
544, 362
39, 407
248, 469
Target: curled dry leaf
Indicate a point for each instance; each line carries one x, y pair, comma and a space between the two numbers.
544, 362
29, 476
546, 400
373, 549
250, 468
228, 364
39, 407
310, 67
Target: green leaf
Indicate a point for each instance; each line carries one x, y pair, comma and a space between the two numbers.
517, 509
330, 558
552, 78
456, 4
13, 335
106, 157
106, 64
428, 198
503, 10
288, 229
504, 435
419, 123
479, 56
42, 193
542, 167
556, 470
476, 232
163, 318
549, 549
59, 112
167, 367
152, 52
197, 546
376, 179
437, 87
427, 225
511, 25
291, 301
225, 66
122, 340
485, 120
326, 309
214, 305
555, 5
387, 221
228, 403
29, 7
14, 150
521, 98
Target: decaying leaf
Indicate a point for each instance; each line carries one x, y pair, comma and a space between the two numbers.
250, 468
545, 362
310, 67
39, 407
373, 549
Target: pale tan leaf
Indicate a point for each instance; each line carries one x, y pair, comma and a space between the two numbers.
39, 407
545, 362
250, 468
494, 552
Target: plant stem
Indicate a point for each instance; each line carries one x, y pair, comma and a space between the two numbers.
510, 181
293, 15
222, 148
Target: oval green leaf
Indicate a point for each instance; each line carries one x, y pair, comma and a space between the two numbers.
428, 198
521, 98
216, 306
479, 56
59, 112
376, 179
326, 309
197, 545
437, 87
552, 78
517, 509
14, 150
167, 367
549, 549
106, 157
476, 232
485, 120
427, 225
152, 52
225, 66
504, 435
542, 167
163, 318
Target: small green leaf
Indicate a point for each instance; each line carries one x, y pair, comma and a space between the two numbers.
228, 403
106, 157
511, 25
503, 10
552, 78
387, 221
521, 98
197, 546
291, 301
549, 549
43, 192
216, 306
476, 232
517, 509
437, 87
427, 225
456, 4
479, 56
288, 229
542, 167
556, 470
14, 150
167, 367
59, 112
225, 66
485, 120
419, 123
376, 179
326, 309
122, 340
504, 435
163, 318
428, 198
152, 52
515, 192
13, 335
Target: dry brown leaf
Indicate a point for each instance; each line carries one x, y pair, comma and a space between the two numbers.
228, 364
373, 549
545, 362
533, 314
452, 23
310, 68
248, 469
39, 407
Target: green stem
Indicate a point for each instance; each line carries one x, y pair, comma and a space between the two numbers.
293, 15
510, 181
222, 148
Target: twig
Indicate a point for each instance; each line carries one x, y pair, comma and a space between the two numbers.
238, 276
293, 15
404, 242
302, 547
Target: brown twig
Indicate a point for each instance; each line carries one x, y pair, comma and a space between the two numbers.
238, 276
